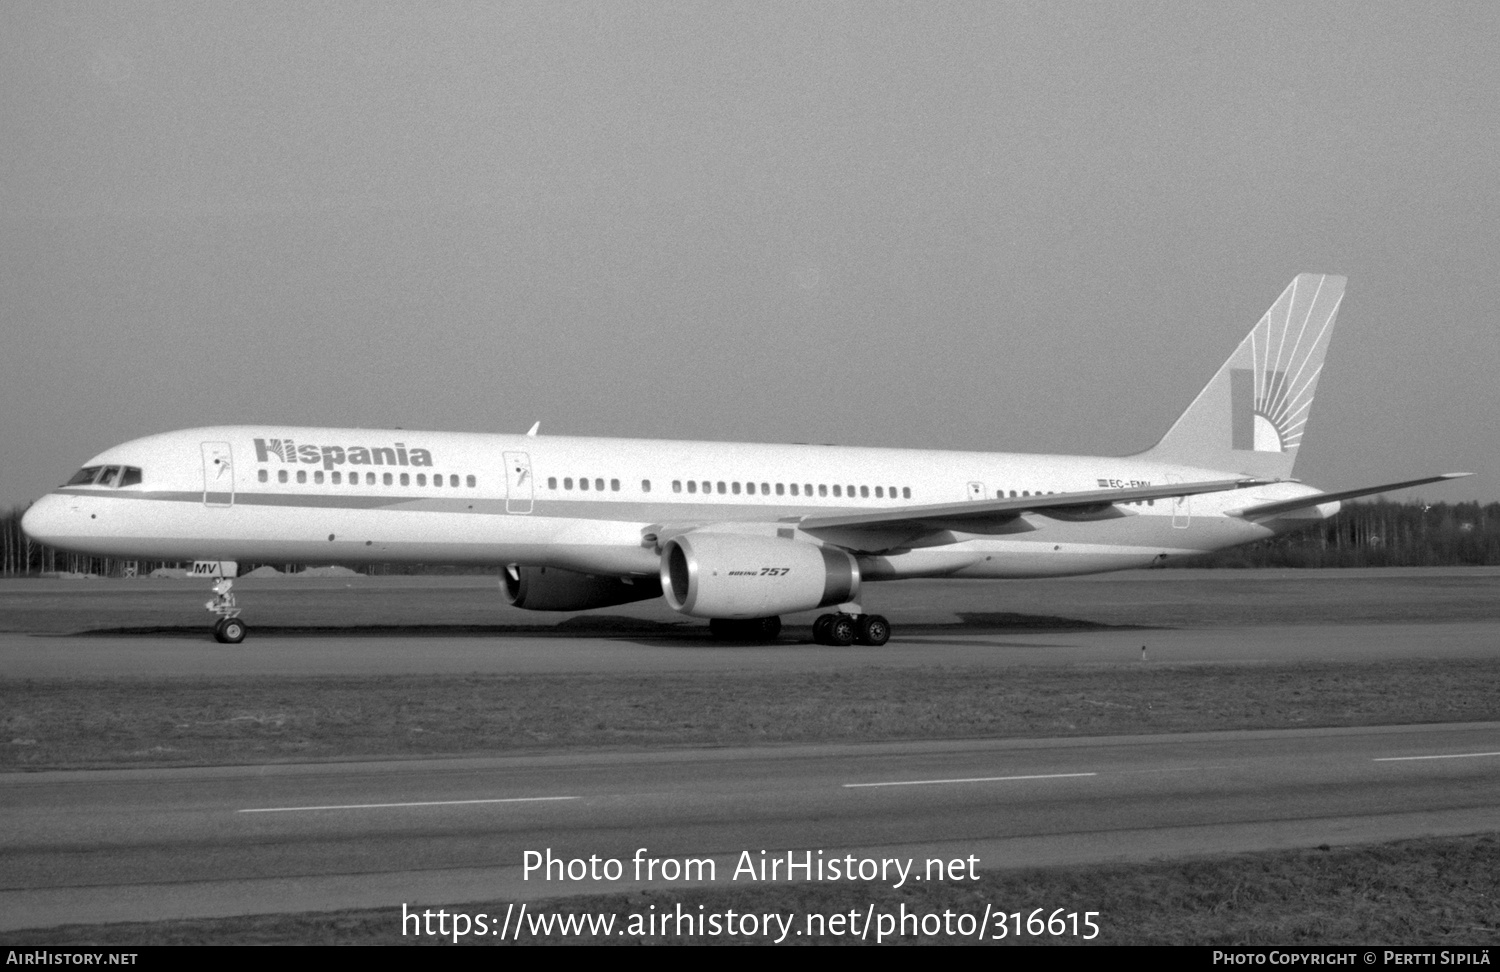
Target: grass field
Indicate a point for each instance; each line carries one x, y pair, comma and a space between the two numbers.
1432, 891
1417, 892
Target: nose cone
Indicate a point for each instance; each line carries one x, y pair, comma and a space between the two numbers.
44, 522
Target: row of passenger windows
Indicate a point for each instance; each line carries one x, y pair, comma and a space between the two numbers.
721, 487
1000, 494
793, 489
386, 479
112, 476
597, 485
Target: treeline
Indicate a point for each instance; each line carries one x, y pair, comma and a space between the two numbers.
1378, 534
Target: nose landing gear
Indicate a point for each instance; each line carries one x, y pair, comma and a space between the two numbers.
229, 629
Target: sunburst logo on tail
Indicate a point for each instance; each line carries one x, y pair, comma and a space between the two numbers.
1270, 401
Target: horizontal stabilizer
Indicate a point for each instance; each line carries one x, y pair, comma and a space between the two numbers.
1090, 502
1303, 502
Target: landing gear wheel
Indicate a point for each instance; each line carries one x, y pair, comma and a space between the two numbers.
840, 630
820, 629
229, 631
872, 629
770, 628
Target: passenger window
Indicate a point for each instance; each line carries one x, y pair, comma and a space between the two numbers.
263, 476
318, 477
453, 480
471, 481
780, 490
692, 486
281, 475
750, 488
765, 489
735, 490
599, 485
405, 479
676, 485
645, 485
386, 478
422, 479
567, 482
338, 478
614, 486
837, 490
583, 483
551, 481
822, 489
864, 492
369, 479
302, 475
708, 487
906, 492
721, 487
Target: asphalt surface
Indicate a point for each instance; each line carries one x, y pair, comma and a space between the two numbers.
145, 844
126, 845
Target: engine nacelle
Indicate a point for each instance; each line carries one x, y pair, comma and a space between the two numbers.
555, 589
711, 575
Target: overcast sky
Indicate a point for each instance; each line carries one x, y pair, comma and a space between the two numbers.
992, 226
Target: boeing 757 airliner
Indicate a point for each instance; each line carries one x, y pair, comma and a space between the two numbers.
738, 533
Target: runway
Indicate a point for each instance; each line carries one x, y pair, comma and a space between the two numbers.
148, 656
145, 844
136, 845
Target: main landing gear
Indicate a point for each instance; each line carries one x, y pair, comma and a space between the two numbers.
229, 629
842, 630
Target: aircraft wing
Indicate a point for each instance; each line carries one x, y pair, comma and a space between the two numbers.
1094, 504
1302, 502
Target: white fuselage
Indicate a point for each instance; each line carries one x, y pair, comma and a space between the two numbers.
328, 495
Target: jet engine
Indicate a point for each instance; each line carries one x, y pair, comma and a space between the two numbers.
555, 589
709, 575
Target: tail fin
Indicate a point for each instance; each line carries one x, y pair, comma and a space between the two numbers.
1251, 416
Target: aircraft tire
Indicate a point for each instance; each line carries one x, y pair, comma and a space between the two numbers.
872, 629
820, 629
219, 631
841, 630
231, 631
770, 628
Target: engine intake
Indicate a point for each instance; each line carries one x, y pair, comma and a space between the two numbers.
709, 575
555, 589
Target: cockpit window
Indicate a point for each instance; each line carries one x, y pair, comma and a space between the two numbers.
108, 476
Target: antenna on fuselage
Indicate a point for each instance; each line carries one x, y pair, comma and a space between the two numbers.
534, 426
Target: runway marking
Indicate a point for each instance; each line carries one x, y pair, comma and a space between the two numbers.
425, 803
971, 779
1402, 759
